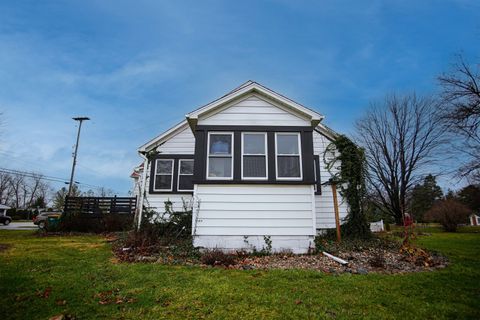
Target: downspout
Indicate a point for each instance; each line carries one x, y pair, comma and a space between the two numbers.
142, 190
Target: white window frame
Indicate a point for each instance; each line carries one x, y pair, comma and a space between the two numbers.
252, 154
182, 174
299, 156
163, 174
219, 156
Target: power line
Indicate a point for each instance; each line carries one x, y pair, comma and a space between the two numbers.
43, 177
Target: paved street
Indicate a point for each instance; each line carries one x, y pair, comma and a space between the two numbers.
19, 226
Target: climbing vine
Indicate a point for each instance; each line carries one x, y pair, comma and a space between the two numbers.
346, 163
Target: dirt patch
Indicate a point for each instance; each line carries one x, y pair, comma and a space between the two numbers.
4, 247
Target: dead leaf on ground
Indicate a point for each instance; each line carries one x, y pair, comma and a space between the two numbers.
60, 302
45, 293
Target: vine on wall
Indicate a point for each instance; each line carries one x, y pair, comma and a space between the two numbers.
349, 159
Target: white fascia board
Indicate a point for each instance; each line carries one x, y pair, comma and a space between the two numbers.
326, 131
155, 142
255, 87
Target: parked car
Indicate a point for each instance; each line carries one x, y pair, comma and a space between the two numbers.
5, 220
41, 219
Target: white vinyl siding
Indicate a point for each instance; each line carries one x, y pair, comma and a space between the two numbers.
254, 157
254, 111
181, 143
288, 150
219, 161
254, 210
325, 212
156, 202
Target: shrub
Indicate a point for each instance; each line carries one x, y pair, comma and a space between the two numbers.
449, 213
217, 258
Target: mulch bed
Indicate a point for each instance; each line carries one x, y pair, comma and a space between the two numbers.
379, 257
359, 262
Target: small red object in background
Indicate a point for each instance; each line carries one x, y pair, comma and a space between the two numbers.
407, 221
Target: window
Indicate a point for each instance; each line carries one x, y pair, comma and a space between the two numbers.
254, 156
220, 156
288, 155
163, 175
185, 175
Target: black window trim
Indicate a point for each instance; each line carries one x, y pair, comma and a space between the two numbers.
306, 136
175, 158
318, 180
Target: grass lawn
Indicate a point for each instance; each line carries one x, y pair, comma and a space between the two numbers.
78, 268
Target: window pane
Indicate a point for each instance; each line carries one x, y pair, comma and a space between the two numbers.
220, 144
254, 166
220, 167
163, 182
287, 144
185, 183
186, 167
289, 166
254, 143
164, 166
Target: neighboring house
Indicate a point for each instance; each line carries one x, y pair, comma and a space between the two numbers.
3, 209
253, 163
474, 219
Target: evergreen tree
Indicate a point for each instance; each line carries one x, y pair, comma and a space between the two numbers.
470, 196
423, 197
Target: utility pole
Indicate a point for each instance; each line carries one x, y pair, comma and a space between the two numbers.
80, 120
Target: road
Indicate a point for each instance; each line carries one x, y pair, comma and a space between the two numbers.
19, 226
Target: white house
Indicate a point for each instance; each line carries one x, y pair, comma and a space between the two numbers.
474, 219
252, 164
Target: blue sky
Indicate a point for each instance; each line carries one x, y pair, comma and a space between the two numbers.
136, 67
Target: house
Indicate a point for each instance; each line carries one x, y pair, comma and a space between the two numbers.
474, 219
252, 164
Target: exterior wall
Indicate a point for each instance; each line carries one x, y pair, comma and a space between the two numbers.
253, 111
325, 214
182, 143
239, 216
157, 201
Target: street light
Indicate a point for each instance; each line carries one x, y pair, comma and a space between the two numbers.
80, 120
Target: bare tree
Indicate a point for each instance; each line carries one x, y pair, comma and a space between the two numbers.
5, 188
17, 183
461, 113
400, 137
104, 192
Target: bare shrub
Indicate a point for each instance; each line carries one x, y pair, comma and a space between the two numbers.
449, 213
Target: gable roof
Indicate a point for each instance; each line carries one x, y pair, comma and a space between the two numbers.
254, 87
160, 139
240, 91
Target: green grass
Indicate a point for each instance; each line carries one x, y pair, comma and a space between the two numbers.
79, 267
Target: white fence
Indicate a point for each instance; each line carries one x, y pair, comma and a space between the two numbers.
377, 226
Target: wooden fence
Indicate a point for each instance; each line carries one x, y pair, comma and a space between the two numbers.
97, 207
